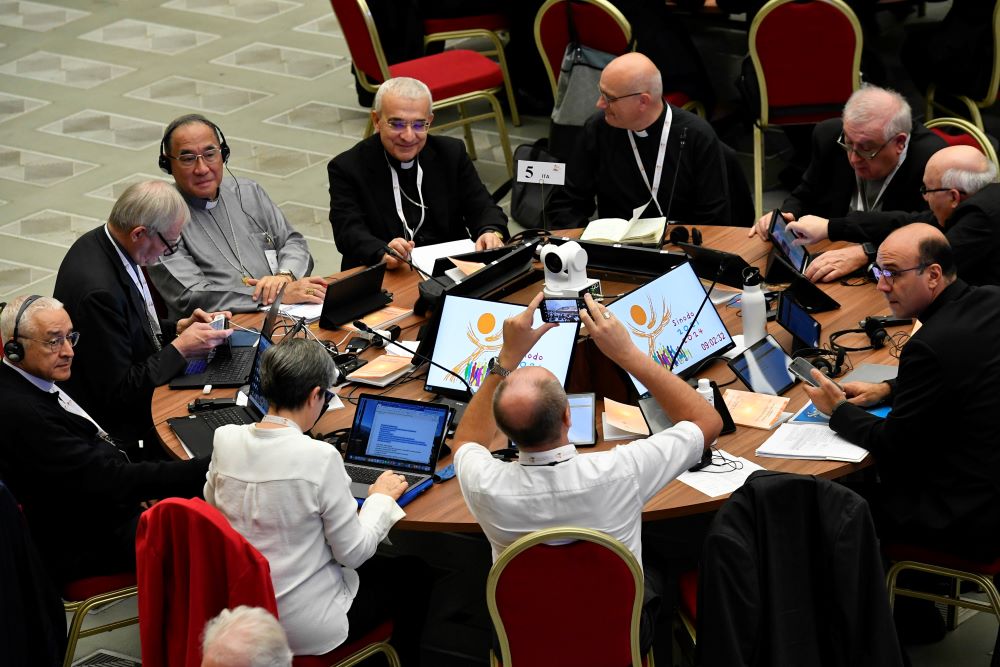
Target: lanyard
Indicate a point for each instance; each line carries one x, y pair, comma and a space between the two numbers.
275, 419
661, 152
399, 202
135, 273
861, 204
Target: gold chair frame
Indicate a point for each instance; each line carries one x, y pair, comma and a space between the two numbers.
984, 582
80, 608
971, 130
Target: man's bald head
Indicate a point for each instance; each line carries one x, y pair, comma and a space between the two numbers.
953, 174
922, 263
631, 92
530, 407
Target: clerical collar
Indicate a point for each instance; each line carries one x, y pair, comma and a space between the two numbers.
396, 164
549, 457
200, 203
642, 134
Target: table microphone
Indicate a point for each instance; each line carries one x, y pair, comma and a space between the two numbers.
361, 326
673, 187
413, 266
431, 290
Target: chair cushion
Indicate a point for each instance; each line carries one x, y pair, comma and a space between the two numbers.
381, 633
81, 589
678, 99
493, 22
688, 588
898, 552
960, 139
452, 73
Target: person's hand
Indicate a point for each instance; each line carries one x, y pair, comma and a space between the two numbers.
200, 315
519, 336
267, 287
762, 227
809, 229
826, 396
198, 339
488, 241
401, 247
390, 483
834, 264
607, 331
311, 289
867, 394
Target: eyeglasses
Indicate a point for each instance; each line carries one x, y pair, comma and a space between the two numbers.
889, 275
926, 190
327, 399
610, 99
171, 248
849, 148
55, 344
188, 160
419, 126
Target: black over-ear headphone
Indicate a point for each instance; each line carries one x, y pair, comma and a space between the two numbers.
164, 161
14, 349
831, 368
680, 235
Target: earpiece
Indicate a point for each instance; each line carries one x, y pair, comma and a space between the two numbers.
680, 234
164, 161
13, 349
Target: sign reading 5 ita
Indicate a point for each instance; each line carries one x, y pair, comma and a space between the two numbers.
549, 173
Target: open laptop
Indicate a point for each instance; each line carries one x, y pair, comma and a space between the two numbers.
232, 364
197, 431
352, 297
395, 434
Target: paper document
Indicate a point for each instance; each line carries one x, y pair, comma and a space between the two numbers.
810, 441
718, 480
625, 417
310, 311
425, 256
754, 410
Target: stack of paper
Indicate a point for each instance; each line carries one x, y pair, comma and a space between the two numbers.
810, 441
621, 421
754, 410
382, 370
718, 480
424, 256
385, 317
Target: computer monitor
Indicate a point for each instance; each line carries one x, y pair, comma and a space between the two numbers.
470, 333
658, 314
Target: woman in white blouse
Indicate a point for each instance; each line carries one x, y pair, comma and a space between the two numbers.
289, 495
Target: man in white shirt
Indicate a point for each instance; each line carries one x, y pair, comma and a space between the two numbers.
551, 485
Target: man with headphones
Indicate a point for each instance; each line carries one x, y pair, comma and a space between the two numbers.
239, 248
126, 350
79, 492
936, 452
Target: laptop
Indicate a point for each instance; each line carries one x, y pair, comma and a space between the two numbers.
396, 434
353, 297
232, 364
197, 431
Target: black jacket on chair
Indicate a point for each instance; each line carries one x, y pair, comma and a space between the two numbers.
791, 575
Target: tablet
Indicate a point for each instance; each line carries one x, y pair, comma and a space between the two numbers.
784, 240
763, 368
797, 321
582, 431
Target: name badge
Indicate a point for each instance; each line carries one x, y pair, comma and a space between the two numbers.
272, 260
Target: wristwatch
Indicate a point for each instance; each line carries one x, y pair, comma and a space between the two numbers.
499, 235
495, 368
870, 251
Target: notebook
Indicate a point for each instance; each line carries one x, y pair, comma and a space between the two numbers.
197, 432
395, 434
231, 366
349, 298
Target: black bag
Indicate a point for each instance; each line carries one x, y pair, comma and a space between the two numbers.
529, 200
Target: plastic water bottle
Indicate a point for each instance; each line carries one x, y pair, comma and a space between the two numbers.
705, 391
754, 308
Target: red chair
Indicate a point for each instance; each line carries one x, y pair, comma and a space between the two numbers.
454, 77
484, 26
807, 56
599, 25
559, 603
960, 132
920, 559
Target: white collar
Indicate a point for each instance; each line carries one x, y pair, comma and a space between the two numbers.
45, 385
407, 165
548, 457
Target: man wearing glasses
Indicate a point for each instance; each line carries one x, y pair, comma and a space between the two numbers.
239, 249
871, 159
964, 199
80, 493
402, 188
936, 451
639, 151
126, 350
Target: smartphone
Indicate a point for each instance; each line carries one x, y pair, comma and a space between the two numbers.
357, 345
220, 322
802, 369
562, 310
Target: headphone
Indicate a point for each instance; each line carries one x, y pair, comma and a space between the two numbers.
164, 161
816, 355
681, 235
14, 349
872, 327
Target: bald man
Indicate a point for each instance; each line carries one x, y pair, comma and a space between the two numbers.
936, 452
551, 484
964, 200
630, 155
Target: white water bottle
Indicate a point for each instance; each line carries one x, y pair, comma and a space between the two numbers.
705, 391
753, 307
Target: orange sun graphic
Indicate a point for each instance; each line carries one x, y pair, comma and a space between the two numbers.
486, 323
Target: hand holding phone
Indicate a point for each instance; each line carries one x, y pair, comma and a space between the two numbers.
803, 368
220, 322
561, 310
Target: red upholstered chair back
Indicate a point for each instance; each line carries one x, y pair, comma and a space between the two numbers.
191, 564
598, 23
358, 26
807, 56
570, 604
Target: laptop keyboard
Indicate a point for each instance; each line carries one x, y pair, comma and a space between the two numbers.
363, 475
224, 369
223, 416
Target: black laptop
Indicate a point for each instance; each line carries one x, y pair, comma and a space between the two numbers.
353, 297
197, 431
231, 364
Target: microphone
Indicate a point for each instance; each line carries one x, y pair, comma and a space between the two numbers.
673, 186
361, 326
708, 294
431, 290
413, 266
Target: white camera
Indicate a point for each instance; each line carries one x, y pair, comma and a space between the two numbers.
565, 270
